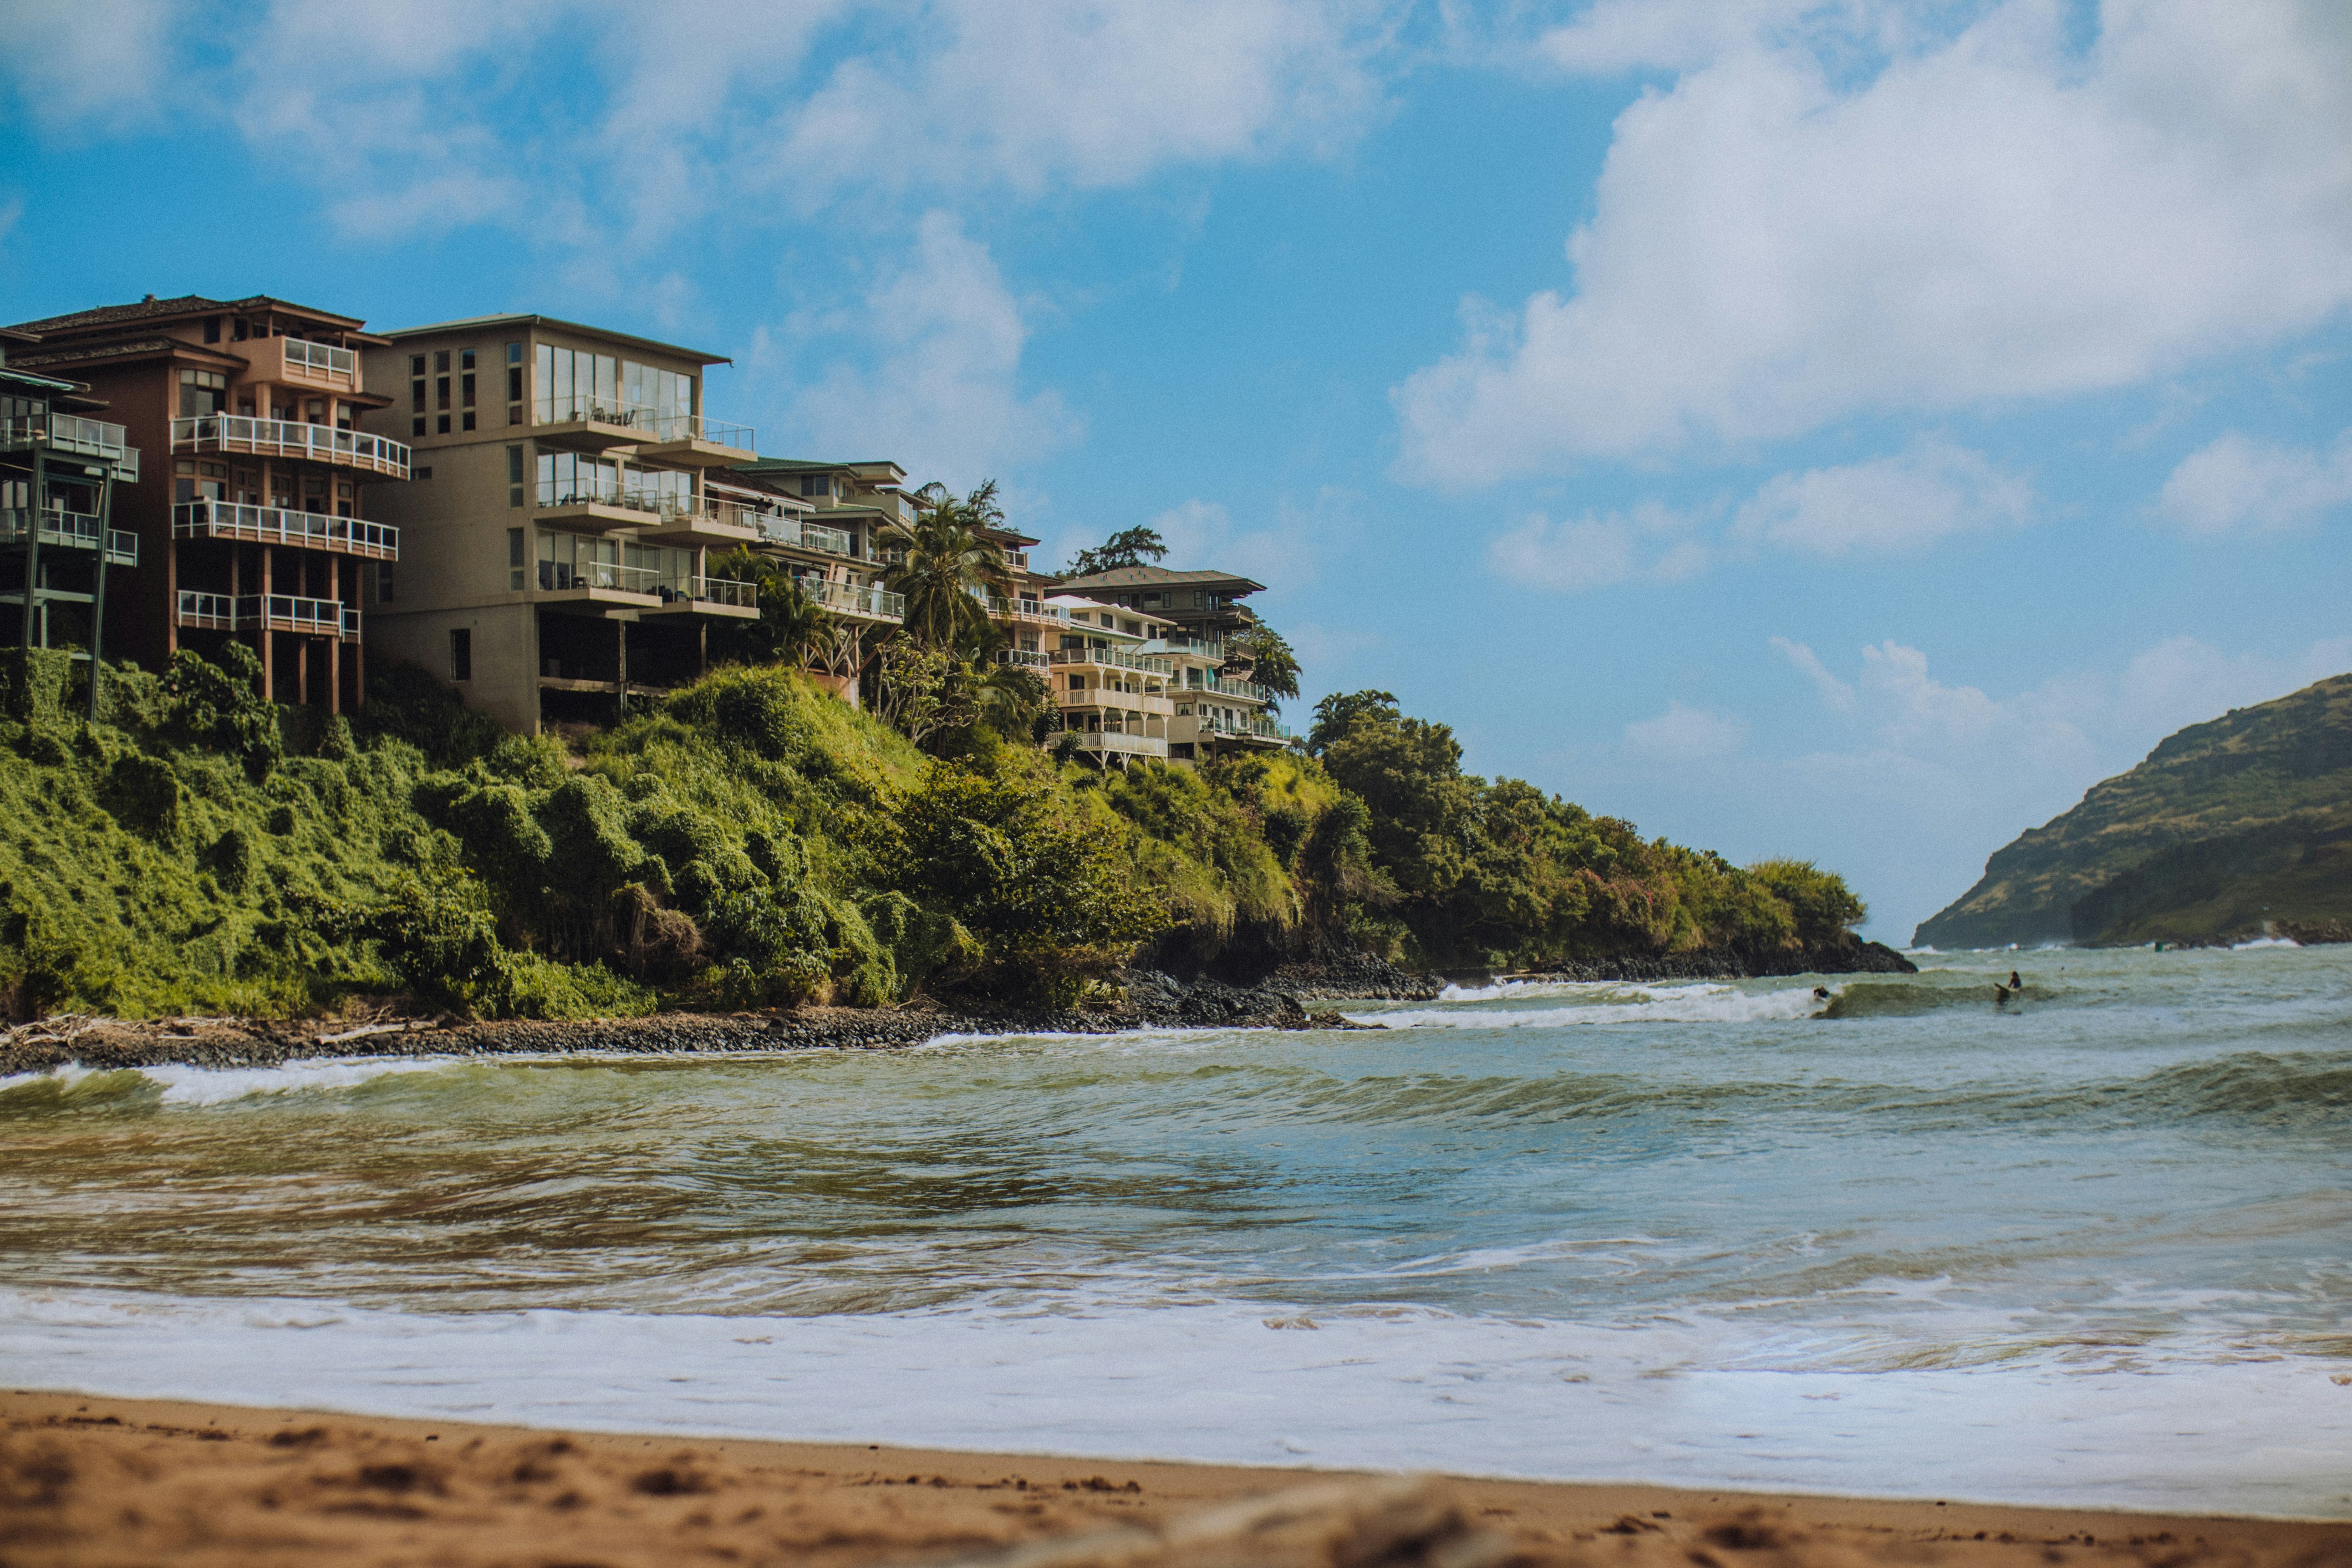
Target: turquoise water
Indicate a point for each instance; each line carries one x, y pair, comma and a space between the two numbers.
2094, 1246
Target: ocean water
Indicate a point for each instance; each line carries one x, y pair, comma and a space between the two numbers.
2091, 1247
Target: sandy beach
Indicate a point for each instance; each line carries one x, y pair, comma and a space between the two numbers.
87, 1480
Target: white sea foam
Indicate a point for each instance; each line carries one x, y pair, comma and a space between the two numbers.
219, 1086
1670, 1004
1691, 1401
2263, 942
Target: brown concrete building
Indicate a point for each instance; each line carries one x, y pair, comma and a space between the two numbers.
256, 525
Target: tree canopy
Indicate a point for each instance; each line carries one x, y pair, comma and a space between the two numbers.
1128, 547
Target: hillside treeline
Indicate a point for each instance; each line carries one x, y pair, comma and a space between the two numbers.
751, 842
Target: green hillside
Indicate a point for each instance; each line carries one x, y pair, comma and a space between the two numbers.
751, 842
2229, 829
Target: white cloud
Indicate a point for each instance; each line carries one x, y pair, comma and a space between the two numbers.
1086, 93
2237, 483
1286, 551
2182, 682
1837, 693
1905, 502
634, 121
1991, 216
927, 369
72, 63
1683, 735
1598, 550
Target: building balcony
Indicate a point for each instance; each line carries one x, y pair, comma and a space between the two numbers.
695, 441
1120, 742
1027, 610
585, 423
714, 529
76, 437
1156, 704
1246, 690
314, 364
284, 526
267, 612
710, 596
1025, 658
593, 579
774, 528
1256, 729
1112, 659
63, 529
242, 434
593, 507
862, 604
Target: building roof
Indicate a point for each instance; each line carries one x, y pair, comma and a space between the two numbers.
137, 348
153, 308
509, 320
1161, 577
16, 377
811, 465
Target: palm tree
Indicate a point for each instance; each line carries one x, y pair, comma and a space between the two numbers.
793, 629
947, 561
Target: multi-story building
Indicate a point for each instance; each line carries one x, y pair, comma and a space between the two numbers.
1197, 614
58, 470
828, 525
258, 531
560, 532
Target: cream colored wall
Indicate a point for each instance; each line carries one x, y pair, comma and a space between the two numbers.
506, 655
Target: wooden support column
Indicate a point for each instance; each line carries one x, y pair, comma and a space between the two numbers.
302, 670
269, 642
97, 595
33, 546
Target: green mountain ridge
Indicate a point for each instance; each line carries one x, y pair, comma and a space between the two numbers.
2237, 827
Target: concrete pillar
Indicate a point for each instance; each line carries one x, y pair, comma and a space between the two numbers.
269, 642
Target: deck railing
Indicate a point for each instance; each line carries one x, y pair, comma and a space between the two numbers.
285, 438
590, 408
284, 525
776, 528
713, 591
702, 427
72, 530
1026, 610
1025, 658
854, 600
570, 576
1248, 690
73, 432
320, 362
1113, 658
274, 612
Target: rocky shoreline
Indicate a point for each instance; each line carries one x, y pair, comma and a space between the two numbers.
1153, 1000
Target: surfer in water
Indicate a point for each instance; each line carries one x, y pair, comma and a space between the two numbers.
2002, 994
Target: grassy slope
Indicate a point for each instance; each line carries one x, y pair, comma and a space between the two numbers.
2225, 825
751, 843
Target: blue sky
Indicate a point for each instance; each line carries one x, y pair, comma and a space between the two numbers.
1846, 430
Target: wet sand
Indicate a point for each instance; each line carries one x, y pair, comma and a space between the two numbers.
88, 1480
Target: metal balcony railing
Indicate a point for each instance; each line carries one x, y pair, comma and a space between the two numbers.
1112, 659
776, 528
1214, 724
320, 362
285, 438
1247, 691
701, 428
1026, 610
568, 576
71, 530
592, 408
72, 433
854, 600
1025, 659
713, 591
271, 611
283, 525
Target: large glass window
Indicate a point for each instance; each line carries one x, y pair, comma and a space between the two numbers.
567, 479
664, 392
574, 384
203, 392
